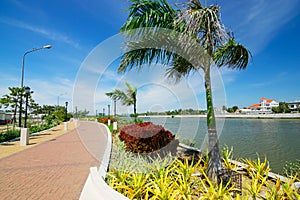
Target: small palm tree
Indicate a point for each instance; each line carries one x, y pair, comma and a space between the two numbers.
127, 98
197, 22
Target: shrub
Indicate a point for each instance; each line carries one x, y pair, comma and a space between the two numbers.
147, 137
292, 168
9, 135
104, 120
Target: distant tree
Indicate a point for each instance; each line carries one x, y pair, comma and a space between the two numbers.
11, 101
48, 109
235, 108
224, 108
127, 98
284, 108
275, 109
230, 110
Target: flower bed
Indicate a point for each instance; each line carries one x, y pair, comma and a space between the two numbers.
147, 137
104, 120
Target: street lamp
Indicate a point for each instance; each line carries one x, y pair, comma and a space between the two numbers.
58, 98
66, 117
108, 111
27, 93
22, 79
115, 108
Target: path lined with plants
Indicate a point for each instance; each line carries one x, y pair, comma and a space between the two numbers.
56, 169
9, 148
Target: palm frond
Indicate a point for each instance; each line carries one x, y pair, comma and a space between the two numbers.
233, 55
180, 68
204, 23
144, 13
117, 94
139, 57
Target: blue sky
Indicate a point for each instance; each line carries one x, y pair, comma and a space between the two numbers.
268, 28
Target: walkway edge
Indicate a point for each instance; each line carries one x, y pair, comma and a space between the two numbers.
106, 158
95, 187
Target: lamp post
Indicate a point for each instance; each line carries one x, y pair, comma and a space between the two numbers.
103, 112
76, 112
66, 116
27, 93
108, 111
22, 79
115, 108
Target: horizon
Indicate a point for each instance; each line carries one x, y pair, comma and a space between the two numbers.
76, 30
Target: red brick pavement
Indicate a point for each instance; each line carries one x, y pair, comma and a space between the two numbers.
56, 169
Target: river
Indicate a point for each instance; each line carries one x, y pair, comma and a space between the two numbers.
277, 139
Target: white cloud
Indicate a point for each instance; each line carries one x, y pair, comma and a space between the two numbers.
262, 20
50, 34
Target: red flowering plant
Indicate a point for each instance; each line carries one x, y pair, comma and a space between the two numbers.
104, 120
147, 137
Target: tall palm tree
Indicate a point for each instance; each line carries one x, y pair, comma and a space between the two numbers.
127, 98
200, 23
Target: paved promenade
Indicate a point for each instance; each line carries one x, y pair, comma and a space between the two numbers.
56, 169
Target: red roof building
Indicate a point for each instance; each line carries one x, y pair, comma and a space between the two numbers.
265, 105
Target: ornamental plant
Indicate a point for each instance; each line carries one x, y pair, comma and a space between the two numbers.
147, 137
104, 120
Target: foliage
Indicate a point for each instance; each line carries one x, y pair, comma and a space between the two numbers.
233, 109
146, 138
282, 108
104, 120
203, 26
12, 100
227, 158
81, 114
167, 180
186, 179
9, 135
35, 129
292, 168
127, 98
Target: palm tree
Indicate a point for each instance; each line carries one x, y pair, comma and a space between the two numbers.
127, 98
197, 22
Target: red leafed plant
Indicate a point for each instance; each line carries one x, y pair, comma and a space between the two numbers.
147, 137
104, 120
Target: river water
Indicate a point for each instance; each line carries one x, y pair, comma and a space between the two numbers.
277, 139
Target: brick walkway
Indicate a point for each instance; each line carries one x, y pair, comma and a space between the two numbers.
56, 169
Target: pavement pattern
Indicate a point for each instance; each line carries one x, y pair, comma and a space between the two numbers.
56, 169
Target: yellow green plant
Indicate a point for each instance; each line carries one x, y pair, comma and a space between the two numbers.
227, 156
289, 190
274, 191
257, 168
170, 178
208, 190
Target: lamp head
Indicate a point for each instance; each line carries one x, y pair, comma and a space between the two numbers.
47, 47
27, 90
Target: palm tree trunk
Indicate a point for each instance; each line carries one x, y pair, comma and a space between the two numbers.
134, 111
214, 164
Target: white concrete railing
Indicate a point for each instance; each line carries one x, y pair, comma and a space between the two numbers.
95, 187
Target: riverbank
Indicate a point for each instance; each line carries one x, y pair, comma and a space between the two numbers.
245, 116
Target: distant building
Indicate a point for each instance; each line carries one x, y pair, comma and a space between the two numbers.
294, 106
265, 106
4, 116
